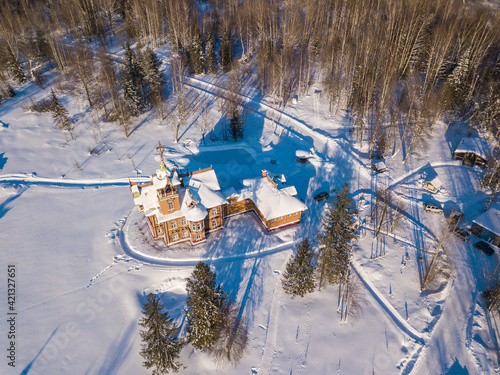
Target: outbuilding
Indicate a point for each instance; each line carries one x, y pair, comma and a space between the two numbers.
473, 150
487, 226
432, 184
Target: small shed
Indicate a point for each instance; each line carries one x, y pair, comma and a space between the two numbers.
378, 166
487, 226
302, 156
432, 184
473, 150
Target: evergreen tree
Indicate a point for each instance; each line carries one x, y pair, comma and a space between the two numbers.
210, 57
226, 52
236, 126
196, 53
154, 78
334, 253
161, 346
15, 68
42, 46
132, 77
10, 91
298, 279
205, 308
60, 114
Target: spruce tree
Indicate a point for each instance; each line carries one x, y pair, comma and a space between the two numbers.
298, 279
42, 46
15, 68
60, 114
205, 308
225, 52
161, 345
132, 77
196, 53
154, 78
235, 126
210, 56
335, 241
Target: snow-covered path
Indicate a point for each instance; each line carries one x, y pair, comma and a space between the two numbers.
388, 308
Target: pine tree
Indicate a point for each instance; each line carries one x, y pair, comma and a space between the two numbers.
235, 126
298, 279
161, 346
196, 53
210, 57
225, 52
205, 308
334, 253
15, 68
60, 114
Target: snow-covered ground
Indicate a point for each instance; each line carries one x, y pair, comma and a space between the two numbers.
85, 260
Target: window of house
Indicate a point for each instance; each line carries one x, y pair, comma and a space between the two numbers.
273, 221
289, 216
173, 224
295, 214
170, 205
183, 222
160, 229
185, 233
193, 227
175, 236
214, 211
214, 223
199, 226
198, 237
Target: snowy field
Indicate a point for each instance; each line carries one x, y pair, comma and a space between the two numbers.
85, 261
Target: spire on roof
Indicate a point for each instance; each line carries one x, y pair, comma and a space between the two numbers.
160, 149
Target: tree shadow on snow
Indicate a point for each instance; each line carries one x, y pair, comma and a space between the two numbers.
119, 351
28, 368
457, 369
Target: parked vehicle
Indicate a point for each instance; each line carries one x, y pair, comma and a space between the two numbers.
484, 247
321, 196
433, 207
463, 234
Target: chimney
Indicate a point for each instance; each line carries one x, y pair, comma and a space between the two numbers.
264, 173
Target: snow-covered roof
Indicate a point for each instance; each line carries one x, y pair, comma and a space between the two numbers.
490, 220
175, 179
477, 146
302, 154
207, 178
379, 164
290, 190
434, 180
159, 182
270, 201
147, 199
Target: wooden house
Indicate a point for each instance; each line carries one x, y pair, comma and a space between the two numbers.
473, 150
487, 226
184, 207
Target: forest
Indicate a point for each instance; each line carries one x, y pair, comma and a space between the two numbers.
395, 66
